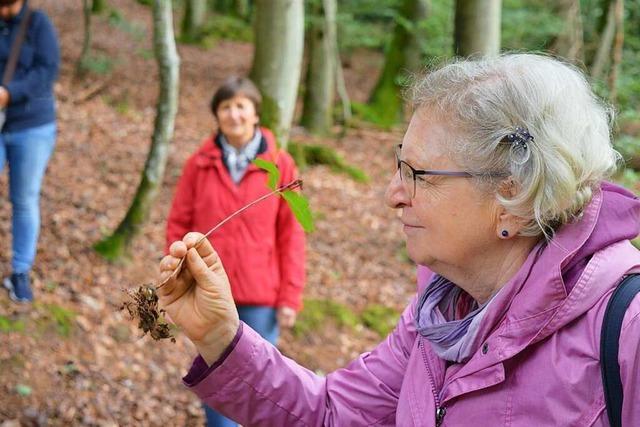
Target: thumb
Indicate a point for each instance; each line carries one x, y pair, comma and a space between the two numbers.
198, 268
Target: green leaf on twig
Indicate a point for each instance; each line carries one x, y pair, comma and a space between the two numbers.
296, 201
300, 208
272, 170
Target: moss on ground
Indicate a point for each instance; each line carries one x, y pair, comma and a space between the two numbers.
306, 155
318, 312
380, 318
8, 324
112, 248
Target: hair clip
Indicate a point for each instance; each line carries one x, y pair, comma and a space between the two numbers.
519, 141
520, 137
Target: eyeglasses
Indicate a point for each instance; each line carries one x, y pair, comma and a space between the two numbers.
410, 176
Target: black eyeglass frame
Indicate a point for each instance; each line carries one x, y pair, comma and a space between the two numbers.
416, 172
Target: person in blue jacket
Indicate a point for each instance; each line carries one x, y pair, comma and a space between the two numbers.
28, 135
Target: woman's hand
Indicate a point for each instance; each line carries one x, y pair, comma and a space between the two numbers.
199, 299
286, 317
4, 97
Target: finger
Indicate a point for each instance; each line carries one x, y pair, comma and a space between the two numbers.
190, 239
178, 249
169, 263
176, 285
206, 251
198, 268
164, 275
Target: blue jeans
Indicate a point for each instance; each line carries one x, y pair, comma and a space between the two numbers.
262, 320
27, 153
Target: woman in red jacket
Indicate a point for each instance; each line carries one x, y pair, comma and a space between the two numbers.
263, 249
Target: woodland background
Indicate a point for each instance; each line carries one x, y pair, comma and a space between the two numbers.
73, 358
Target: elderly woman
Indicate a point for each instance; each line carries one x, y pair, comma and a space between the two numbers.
263, 250
500, 184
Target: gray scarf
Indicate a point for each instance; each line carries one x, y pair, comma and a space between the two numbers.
237, 160
451, 338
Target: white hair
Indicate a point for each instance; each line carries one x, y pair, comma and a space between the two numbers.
484, 100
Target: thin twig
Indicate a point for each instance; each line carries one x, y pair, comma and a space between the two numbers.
290, 186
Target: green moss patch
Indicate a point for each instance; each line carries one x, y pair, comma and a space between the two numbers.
319, 312
61, 318
306, 155
8, 324
380, 318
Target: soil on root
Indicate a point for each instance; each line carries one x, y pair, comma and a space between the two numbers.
142, 304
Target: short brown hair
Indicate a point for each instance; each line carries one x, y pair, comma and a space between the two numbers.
234, 86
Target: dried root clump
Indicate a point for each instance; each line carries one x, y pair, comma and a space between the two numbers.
143, 305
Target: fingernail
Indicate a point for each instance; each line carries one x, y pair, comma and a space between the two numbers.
192, 254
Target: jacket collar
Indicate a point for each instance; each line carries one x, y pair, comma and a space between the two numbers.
210, 152
20, 14
560, 280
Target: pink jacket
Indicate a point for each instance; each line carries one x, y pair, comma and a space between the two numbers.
538, 364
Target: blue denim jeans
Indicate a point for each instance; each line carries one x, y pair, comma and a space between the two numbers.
27, 153
262, 320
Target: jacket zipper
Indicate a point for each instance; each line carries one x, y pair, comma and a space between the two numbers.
441, 411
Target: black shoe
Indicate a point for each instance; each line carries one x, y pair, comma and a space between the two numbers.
19, 287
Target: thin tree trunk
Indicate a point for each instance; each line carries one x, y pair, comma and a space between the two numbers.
616, 58
403, 54
606, 40
86, 41
477, 27
194, 17
570, 43
115, 246
279, 44
242, 9
317, 115
341, 88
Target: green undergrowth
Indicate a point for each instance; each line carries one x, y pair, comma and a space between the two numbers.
367, 113
113, 248
48, 319
58, 317
306, 155
319, 312
219, 27
8, 324
96, 63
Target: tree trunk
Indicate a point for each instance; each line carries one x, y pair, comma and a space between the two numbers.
238, 8
616, 57
606, 40
570, 43
195, 13
86, 41
279, 44
477, 27
317, 116
341, 88
98, 6
402, 54
242, 9
115, 246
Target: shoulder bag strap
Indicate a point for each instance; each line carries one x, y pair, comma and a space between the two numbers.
610, 343
10, 68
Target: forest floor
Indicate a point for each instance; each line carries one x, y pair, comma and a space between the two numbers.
73, 358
